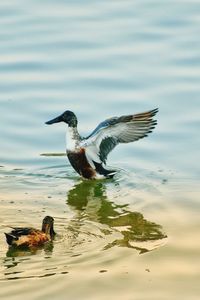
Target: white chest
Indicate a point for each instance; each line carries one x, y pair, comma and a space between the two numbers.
71, 139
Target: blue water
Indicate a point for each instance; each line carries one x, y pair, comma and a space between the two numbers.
134, 236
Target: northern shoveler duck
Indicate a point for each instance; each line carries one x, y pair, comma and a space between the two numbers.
31, 237
88, 155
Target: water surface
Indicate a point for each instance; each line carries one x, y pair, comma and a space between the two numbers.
135, 236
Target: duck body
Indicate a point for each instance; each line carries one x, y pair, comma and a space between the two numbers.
88, 155
27, 237
80, 163
76, 153
31, 237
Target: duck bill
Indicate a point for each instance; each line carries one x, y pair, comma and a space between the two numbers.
55, 120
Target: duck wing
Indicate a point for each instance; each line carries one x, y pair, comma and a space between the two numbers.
18, 231
111, 132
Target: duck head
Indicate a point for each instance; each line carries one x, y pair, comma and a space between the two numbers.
67, 117
47, 226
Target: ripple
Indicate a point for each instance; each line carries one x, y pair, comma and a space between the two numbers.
100, 59
93, 222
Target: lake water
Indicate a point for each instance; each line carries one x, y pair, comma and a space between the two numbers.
133, 237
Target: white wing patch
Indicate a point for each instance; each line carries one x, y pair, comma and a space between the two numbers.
91, 153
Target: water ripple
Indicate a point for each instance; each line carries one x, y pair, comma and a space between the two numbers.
101, 59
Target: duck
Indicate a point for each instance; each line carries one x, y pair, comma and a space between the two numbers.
88, 155
31, 237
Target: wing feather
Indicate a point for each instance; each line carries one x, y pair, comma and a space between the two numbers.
117, 130
18, 231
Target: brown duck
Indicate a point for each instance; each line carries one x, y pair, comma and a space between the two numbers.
31, 237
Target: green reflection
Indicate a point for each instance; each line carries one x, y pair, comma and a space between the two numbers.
89, 201
26, 251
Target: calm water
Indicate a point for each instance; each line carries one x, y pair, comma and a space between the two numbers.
133, 237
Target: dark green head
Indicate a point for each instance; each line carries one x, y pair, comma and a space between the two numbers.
68, 117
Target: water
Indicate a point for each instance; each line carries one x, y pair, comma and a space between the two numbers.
133, 237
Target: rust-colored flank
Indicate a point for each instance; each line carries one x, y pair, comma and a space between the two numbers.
79, 162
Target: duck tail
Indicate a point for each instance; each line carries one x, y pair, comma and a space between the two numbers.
102, 171
10, 238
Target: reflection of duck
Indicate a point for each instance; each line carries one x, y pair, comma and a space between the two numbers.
88, 155
31, 237
90, 202
26, 251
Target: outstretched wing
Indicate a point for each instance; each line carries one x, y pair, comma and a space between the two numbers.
117, 130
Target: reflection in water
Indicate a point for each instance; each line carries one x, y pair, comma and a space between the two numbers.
98, 223
24, 251
89, 200
17, 255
